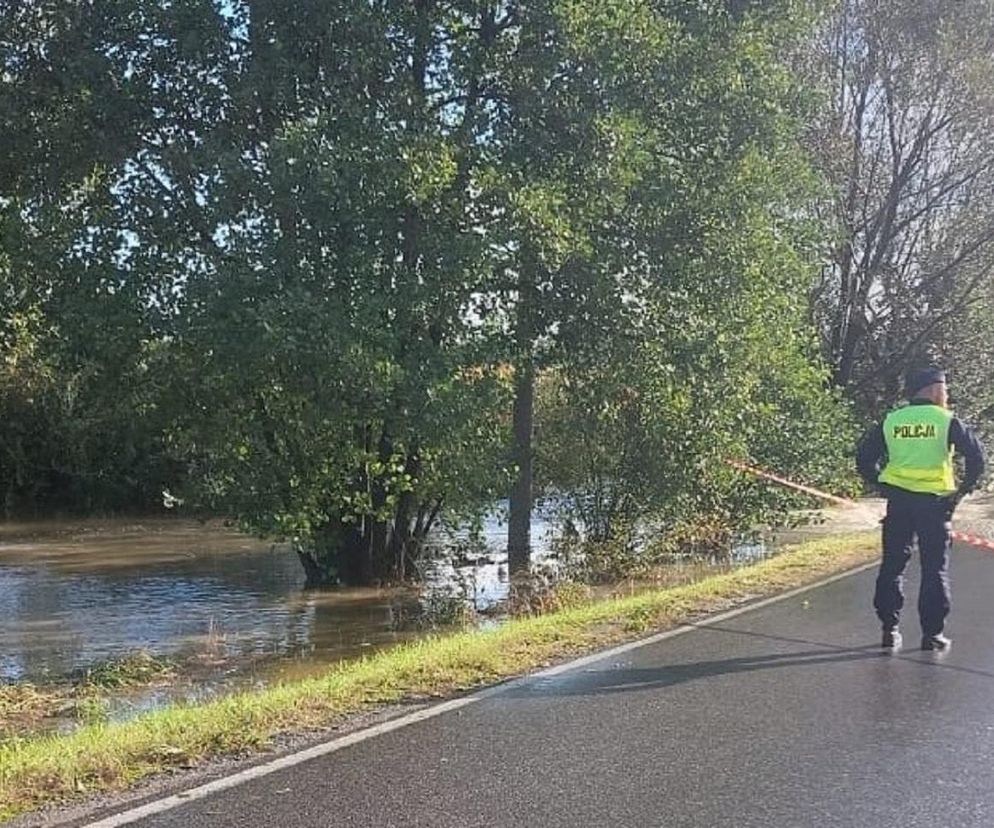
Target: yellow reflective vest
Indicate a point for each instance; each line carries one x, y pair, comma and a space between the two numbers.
919, 457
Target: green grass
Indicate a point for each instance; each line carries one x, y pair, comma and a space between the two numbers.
98, 757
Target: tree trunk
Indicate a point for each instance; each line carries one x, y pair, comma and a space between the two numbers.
337, 553
315, 573
520, 518
403, 539
379, 528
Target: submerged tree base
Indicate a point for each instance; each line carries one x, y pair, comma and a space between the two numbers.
358, 555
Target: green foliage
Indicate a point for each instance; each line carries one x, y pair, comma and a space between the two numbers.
302, 285
710, 356
89, 94
344, 395
141, 668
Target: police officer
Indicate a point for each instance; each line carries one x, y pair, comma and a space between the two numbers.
909, 458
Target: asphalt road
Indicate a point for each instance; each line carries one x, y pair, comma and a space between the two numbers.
788, 715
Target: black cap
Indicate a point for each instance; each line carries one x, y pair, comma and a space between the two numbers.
917, 380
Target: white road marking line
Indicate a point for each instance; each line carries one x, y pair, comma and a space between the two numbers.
265, 769
258, 771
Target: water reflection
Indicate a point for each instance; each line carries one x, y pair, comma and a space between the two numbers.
59, 616
72, 596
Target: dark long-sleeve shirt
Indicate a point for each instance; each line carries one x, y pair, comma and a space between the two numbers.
871, 455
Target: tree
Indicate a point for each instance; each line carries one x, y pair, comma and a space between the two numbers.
967, 347
86, 89
641, 246
905, 143
332, 252
348, 391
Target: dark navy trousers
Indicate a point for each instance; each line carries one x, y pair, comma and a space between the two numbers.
927, 518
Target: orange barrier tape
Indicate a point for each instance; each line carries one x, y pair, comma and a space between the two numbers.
790, 484
962, 537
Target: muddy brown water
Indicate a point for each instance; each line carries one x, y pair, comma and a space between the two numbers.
96, 594
74, 595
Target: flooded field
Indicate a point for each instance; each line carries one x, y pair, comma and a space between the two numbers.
77, 594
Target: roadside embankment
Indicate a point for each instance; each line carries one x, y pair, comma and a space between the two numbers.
35, 771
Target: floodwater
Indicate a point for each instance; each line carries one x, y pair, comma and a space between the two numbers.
74, 595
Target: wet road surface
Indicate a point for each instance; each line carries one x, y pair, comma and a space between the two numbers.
788, 715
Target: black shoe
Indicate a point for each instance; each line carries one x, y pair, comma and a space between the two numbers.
938, 642
891, 640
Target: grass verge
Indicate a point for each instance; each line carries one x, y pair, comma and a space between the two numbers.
101, 757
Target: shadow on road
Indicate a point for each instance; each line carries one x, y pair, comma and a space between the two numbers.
626, 680
651, 678
910, 654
